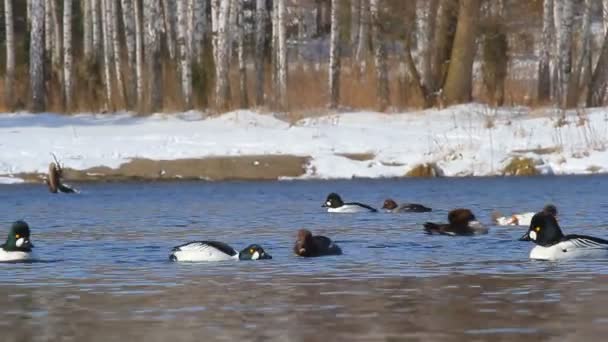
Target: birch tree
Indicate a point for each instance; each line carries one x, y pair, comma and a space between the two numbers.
380, 55
37, 56
425, 20
168, 25
139, 53
605, 15
87, 23
196, 23
153, 62
355, 21
128, 24
57, 38
107, 77
334, 56
222, 86
238, 8
544, 70
260, 41
563, 15
95, 11
582, 63
120, 84
282, 55
67, 54
10, 54
459, 79
363, 44
185, 66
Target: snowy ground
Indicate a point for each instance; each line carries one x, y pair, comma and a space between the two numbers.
467, 140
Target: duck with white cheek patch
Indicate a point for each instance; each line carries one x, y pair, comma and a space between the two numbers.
197, 251
18, 246
334, 204
552, 244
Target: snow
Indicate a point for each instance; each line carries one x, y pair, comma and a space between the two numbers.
465, 140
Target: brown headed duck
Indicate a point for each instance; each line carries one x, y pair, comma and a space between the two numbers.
391, 206
308, 245
460, 222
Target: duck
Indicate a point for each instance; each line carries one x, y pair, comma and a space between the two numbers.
18, 246
308, 245
460, 222
216, 251
522, 219
391, 206
552, 244
334, 204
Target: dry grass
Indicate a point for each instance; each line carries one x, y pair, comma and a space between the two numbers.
426, 170
520, 167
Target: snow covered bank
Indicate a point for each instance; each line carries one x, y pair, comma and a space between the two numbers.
463, 140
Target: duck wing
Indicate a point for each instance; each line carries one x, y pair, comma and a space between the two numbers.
205, 245
372, 209
585, 241
414, 207
324, 245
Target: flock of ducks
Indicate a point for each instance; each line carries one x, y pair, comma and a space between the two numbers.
543, 230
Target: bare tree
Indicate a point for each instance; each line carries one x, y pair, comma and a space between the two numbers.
260, 41
128, 24
95, 16
282, 54
459, 80
222, 86
87, 27
380, 55
563, 15
363, 44
355, 22
120, 84
425, 19
10, 54
544, 70
139, 52
197, 12
168, 26
37, 56
107, 76
238, 8
185, 66
153, 62
447, 11
67, 53
57, 38
334, 56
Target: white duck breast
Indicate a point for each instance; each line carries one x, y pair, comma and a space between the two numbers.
574, 247
201, 251
14, 256
349, 209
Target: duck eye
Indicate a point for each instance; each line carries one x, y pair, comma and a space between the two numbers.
251, 250
537, 229
17, 236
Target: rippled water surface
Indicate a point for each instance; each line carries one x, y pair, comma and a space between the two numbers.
103, 272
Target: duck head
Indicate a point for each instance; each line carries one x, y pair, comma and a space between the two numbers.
304, 243
333, 201
389, 204
254, 252
550, 209
18, 238
544, 230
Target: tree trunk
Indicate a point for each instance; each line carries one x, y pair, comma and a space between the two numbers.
57, 39
605, 15
10, 54
197, 27
120, 84
107, 77
544, 69
168, 24
48, 28
380, 55
564, 15
241, 53
355, 22
128, 24
459, 80
334, 56
37, 56
260, 41
153, 57
425, 18
87, 30
95, 11
282, 55
184, 53
599, 80
67, 54
444, 38
139, 53
222, 86
580, 74
363, 45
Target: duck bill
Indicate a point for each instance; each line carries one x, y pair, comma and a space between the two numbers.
525, 237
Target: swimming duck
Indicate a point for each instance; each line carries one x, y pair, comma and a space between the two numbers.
334, 204
215, 251
460, 222
392, 207
18, 246
552, 244
522, 219
308, 245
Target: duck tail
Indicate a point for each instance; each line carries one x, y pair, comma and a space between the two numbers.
432, 228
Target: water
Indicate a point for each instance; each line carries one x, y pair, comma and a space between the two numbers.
104, 273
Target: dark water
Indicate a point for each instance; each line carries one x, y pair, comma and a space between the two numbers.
104, 274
